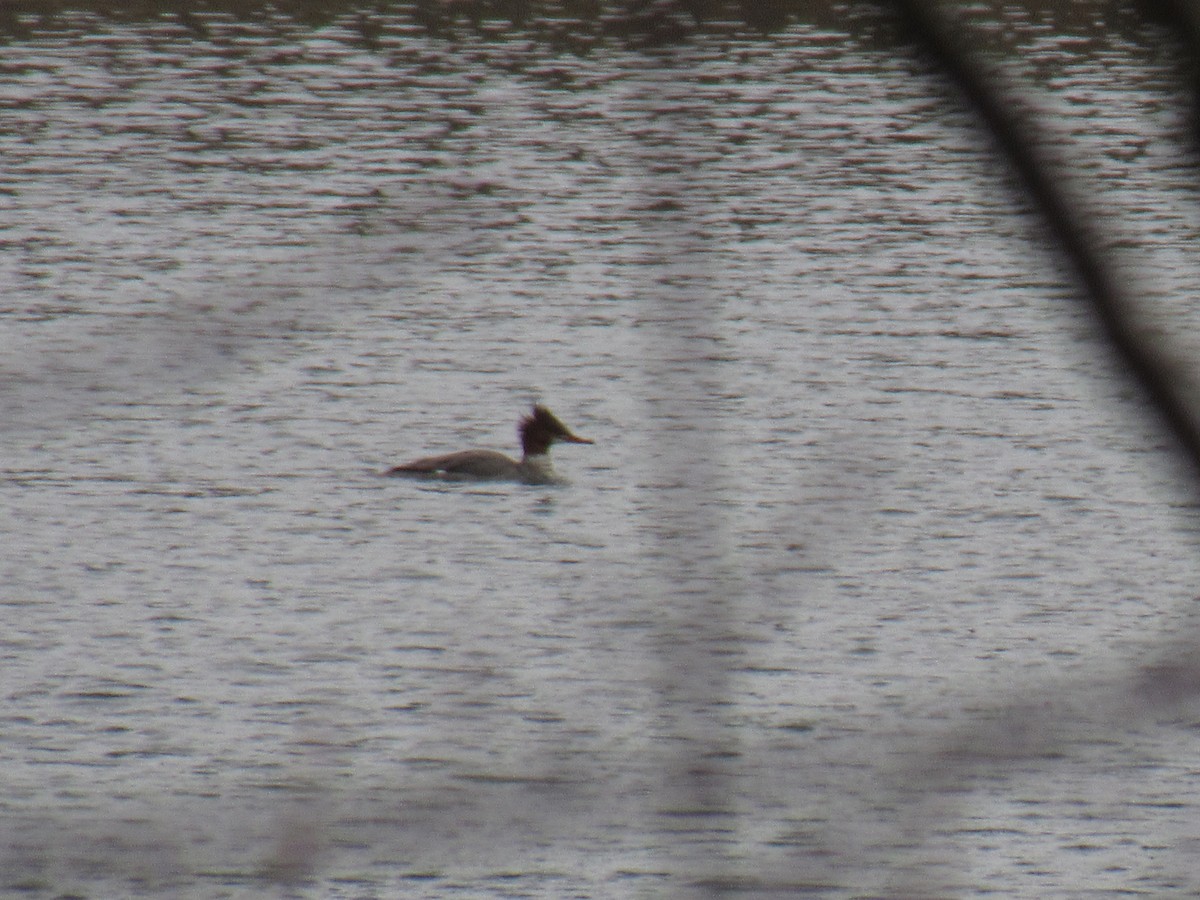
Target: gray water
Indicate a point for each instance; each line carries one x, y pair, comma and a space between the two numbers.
854, 596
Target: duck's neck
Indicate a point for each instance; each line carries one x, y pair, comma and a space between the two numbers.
537, 465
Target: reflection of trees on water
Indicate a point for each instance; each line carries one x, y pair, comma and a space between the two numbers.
573, 26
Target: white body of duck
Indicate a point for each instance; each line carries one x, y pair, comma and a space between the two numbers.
538, 431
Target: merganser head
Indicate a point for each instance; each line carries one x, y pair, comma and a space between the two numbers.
541, 428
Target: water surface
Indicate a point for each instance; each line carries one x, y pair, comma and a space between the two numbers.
850, 596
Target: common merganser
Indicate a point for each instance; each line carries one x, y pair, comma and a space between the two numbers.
538, 431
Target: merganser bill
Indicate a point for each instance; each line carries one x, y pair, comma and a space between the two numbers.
538, 431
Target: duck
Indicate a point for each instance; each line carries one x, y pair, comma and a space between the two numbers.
538, 430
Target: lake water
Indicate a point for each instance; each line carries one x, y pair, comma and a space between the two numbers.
878, 581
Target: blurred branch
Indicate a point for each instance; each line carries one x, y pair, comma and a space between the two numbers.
1184, 17
1024, 143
